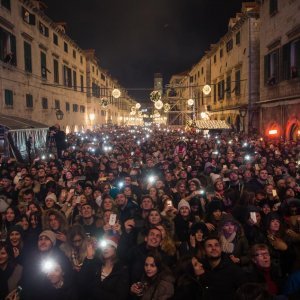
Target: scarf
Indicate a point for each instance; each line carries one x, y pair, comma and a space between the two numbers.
227, 244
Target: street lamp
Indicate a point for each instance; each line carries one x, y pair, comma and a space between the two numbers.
243, 112
59, 114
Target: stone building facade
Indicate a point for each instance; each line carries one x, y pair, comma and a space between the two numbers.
43, 70
231, 68
280, 68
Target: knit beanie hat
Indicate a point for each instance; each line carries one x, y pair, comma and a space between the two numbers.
51, 196
16, 228
183, 203
50, 235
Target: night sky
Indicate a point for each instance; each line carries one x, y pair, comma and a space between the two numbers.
136, 38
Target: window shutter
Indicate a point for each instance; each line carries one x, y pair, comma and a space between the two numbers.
13, 50
32, 19
297, 53
266, 68
286, 62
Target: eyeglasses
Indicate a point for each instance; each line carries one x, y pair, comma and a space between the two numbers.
265, 254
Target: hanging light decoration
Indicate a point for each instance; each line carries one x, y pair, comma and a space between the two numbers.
206, 89
138, 106
104, 102
140, 113
167, 107
116, 93
155, 96
158, 104
190, 102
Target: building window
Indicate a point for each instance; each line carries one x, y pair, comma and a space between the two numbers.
103, 77
65, 47
82, 108
221, 53
238, 38
44, 30
81, 59
56, 71
9, 97
215, 58
55, 39
221, 90
29, 101
43, 65
67, 76
27, 57
95, 90
202, 70
7, 47
271, 68
229, 45
273, 8
215, 93
67, 106
74, 80
5, 3
81, 83
237, 88
74, 54
75, 107
291, 60
228, 87
44, 103
103, 113
56, 104
93, 69
28, 17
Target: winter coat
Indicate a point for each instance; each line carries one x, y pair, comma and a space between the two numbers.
9, 279
161, 289
188, 287
114, 286
222, 281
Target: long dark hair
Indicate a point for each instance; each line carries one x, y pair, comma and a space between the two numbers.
161, 268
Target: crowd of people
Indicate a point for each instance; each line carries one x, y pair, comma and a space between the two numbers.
152, 213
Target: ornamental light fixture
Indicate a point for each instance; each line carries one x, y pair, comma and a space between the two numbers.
59, 114
158, 104
206, 89
116, 93
190, 102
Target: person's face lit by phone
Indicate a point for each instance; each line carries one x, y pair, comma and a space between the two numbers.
184, 211
54, 223
154, 217
10, 215
274, 225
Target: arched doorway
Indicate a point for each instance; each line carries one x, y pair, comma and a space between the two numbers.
294, 132
292, 128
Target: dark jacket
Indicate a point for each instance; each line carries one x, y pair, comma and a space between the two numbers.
114, 286
188, 287
67, 292
254, 274
222, 281
161, 289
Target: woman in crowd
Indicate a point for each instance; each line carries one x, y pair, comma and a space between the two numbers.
75, 246
104, 277
10, 272
157, 282
188, 281
232, 240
